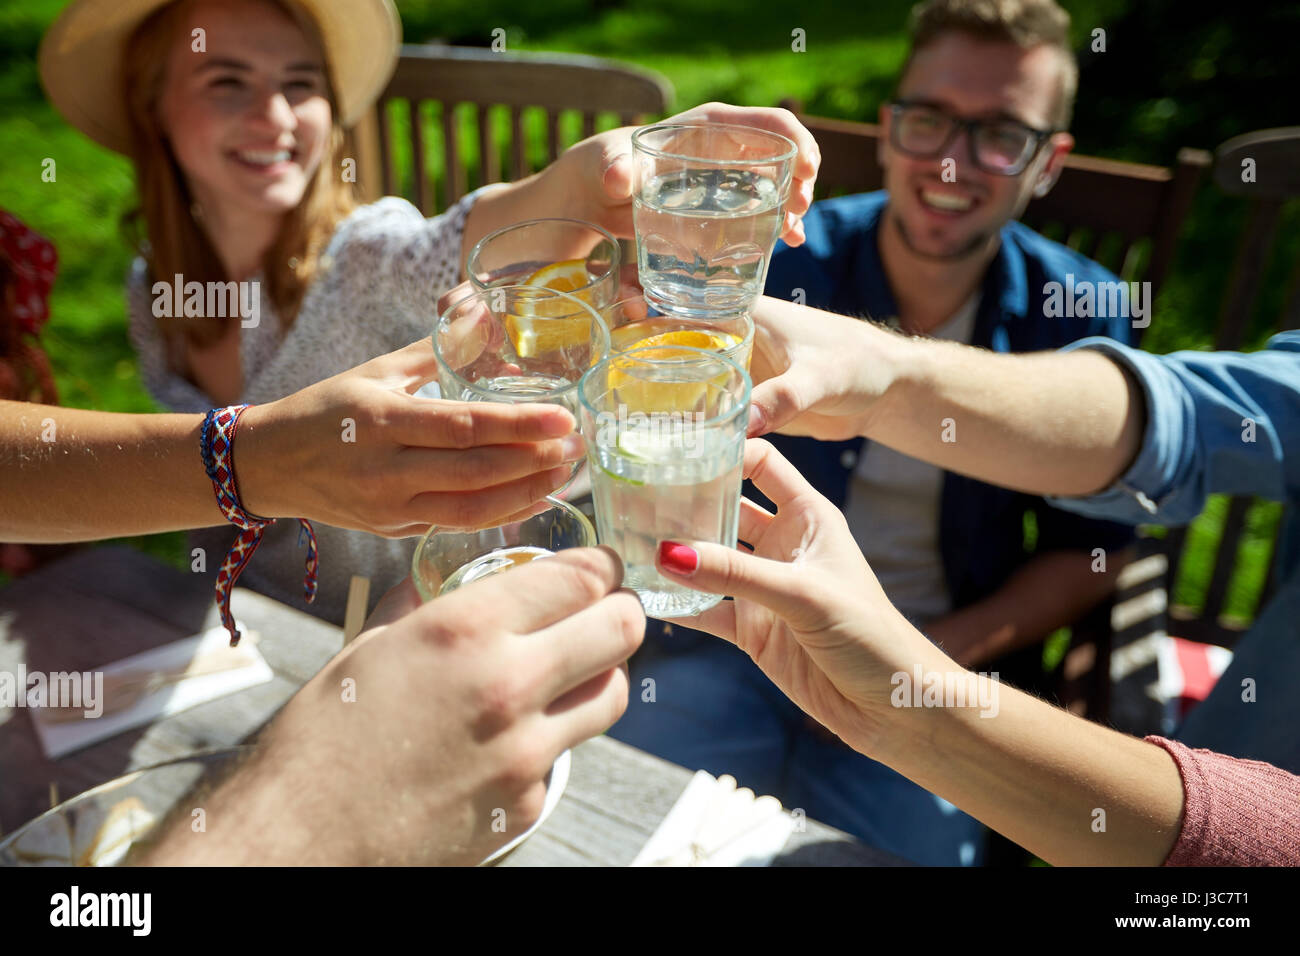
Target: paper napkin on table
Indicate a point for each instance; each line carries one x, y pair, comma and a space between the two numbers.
714, 823
146, 687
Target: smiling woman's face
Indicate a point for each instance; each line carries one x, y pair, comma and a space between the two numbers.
248, 117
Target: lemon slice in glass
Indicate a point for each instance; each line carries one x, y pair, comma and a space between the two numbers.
542, 327
640, 395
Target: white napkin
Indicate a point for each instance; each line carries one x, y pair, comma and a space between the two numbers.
715, 824
249, 669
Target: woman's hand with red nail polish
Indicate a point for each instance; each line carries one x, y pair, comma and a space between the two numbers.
807, 607
681, 559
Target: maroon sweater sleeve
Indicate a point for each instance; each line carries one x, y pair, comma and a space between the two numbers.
1235, 812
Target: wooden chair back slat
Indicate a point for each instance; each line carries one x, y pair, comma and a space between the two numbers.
1174, 542
418, 157
388, 163
488, 162
518, 144
453, 167
1188, 170
1225, 557
1248, 274
555, 83
1270, 576
552, 81
553, 134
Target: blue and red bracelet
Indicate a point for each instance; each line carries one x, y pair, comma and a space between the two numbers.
216, 444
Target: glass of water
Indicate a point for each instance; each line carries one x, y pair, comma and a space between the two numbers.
635, 323
568, 255
665, 436
707, 207
517, 344
446, 559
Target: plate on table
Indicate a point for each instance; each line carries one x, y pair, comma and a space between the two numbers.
99, 827
555, 784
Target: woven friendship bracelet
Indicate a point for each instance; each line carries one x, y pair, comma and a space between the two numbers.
216, 444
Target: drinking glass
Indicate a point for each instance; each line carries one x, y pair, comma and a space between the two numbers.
707, 207
518, 344
445, 559
665, 435
100, 827
568, 255
635, 323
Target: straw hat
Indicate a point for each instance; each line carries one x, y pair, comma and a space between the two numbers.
81, 59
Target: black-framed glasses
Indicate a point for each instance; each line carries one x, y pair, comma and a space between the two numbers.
1003, 147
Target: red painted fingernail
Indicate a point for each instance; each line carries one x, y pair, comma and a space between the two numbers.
678, 558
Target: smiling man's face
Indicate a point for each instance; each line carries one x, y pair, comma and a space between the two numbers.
972, 79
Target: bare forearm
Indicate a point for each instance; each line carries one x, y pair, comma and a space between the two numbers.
1049, 591
506, 204
562, 189
494, 209
1073, 792
1048, 423
264, 814
73, 475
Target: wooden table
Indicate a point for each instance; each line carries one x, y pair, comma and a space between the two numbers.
102, 604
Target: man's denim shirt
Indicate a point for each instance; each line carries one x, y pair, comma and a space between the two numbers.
1216, 423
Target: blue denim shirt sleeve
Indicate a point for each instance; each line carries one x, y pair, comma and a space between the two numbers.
1217, 422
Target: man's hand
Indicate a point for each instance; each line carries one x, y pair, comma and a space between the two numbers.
359, 450
1047, 423
436, 723
597, 173
816, 373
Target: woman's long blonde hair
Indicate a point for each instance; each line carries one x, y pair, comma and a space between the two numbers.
165, 216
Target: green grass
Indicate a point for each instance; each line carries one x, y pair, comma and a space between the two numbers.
709, 51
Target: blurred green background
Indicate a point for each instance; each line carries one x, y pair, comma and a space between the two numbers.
1174, 73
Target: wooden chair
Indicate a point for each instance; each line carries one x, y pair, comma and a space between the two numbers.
1276, 181
447, 76
1126, 216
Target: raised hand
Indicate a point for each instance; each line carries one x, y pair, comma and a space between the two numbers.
807, 608
816, 373
407, 462
597, 173
458, 708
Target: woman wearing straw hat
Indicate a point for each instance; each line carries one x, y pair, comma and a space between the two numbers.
234, 114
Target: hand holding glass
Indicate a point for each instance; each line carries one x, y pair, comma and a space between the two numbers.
707, 207
665, 436
447, 559
568, 255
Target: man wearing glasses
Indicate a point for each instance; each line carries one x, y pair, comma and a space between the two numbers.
976, 130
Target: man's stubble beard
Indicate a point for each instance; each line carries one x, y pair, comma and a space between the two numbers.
977, 242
